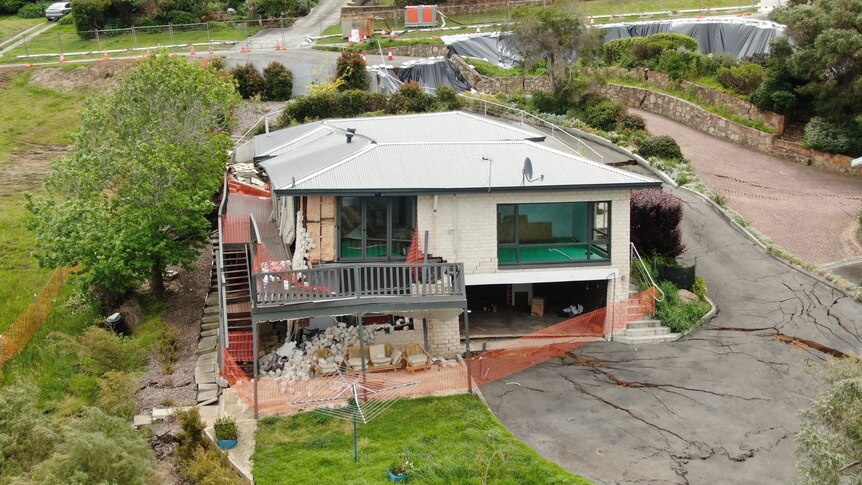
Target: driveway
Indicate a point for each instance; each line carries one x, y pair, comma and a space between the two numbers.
719, 406
811, 212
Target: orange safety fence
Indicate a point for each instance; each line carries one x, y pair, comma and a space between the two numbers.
276, 396
27, 324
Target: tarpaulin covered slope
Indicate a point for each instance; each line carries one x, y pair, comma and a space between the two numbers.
738, 37
433, 73
491, 47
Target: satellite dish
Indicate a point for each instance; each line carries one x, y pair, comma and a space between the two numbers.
528, 172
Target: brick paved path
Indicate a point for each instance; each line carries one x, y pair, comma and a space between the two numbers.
809, 212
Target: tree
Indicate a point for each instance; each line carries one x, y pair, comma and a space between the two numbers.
279, 82
134, 192
350, 68
655, 218
555, 35
830, 441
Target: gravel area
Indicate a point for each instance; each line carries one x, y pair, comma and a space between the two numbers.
250, 112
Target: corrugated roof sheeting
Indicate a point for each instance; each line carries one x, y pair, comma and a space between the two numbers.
311, 158
274, 139
462, 166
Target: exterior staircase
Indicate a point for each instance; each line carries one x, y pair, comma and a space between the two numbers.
647, 330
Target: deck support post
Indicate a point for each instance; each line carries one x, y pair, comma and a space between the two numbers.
254, 331
469, 353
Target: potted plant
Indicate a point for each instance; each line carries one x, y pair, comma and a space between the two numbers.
226, 432
400, 469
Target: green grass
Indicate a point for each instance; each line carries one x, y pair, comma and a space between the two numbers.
29, 114
12, 24
65, 38
449, 440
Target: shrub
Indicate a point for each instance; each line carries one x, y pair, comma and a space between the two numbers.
89, 15
11, 7
710, 64
350, 68
680, 317
823, 135
249, 82
168, 348
103, 351
191, 435
312, 106
68, 19
661, 146
279, 82
225, 429
775, 94
117, 392
655, 219
618, 51
604, 114
448, 98
742, 79
216, 63
545, 102
410, 98
652, 46
633, 122
352, 103
27, 435
33, 10
699, 288
209, 467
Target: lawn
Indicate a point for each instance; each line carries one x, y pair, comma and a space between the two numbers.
12, 24
29, 114
64, 38
450, 440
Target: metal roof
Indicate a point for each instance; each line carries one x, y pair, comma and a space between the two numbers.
269, 142
460, 167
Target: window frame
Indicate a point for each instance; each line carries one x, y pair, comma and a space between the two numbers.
364, 226
590, 229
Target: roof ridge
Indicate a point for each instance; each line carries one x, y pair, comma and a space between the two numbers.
338, 163
295, 140
582, 158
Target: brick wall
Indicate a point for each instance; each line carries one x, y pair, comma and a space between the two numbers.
464, 229
444, 337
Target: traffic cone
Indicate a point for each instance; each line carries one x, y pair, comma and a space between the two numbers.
364, 58
245, 48
104, 56
277, 46
192, 50
392, 34
478, 30
149, 54
389, 56
62, 58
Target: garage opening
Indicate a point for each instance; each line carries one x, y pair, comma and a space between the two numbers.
511, 310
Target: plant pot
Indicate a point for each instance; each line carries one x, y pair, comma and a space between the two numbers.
396, 478
226, 444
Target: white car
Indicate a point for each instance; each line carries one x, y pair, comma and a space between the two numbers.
58, 10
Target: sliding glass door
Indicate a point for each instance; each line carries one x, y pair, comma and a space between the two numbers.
375, 228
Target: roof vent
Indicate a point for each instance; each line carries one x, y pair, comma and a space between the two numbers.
350, 133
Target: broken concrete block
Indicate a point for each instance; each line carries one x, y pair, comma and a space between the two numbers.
142, 420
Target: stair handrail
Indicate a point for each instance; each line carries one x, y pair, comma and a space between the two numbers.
644, 271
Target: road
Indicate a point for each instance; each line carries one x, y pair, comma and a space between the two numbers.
719, 406
810, 212
25, 36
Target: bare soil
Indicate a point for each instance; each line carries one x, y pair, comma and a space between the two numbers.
188, 292
28, 165
97, 76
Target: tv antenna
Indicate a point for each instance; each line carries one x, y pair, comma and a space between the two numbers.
527, 173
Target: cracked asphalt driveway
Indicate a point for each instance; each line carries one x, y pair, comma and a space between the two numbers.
719, 406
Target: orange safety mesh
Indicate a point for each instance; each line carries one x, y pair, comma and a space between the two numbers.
276, 396
22, 329
237, 187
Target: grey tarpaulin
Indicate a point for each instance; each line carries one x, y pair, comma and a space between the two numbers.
383, 79
739, 37
431, 73
490, 47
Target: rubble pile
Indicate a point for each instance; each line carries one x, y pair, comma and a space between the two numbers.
290, 362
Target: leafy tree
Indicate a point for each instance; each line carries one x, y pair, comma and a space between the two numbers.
830, 441
655, 219
134, 192
350, 68
554, 35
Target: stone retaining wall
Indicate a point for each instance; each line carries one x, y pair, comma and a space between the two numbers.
493, 85
419, 51
696, 117
460, 8
737, 106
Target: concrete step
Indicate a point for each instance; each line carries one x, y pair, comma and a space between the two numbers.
650, 323
647, 339
641, 332
209, 326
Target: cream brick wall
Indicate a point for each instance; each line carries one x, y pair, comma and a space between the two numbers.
464, 229
443, 337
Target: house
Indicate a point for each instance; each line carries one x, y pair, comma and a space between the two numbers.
507, 220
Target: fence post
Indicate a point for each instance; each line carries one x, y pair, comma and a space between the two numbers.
134, 39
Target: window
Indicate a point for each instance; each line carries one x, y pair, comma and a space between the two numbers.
378, 228
559, 233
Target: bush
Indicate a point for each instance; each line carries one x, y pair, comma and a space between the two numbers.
823, 135
89, 15
628, 121
410, 98
33, 10
311, 107
249, 82
655, 218
117, 393
662, 146
448, 98
350, 68
699, 288
618, 51
27, 435
225, 429
103, 351
11, 7
652, 46
179, 17
774, 94
209, 467
545, 102
68, 19
216, 63
191, 436
710, 64
279, 82
604, 114
680, 317
742, 79
168, 348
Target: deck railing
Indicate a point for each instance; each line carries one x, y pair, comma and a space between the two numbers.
360, 280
